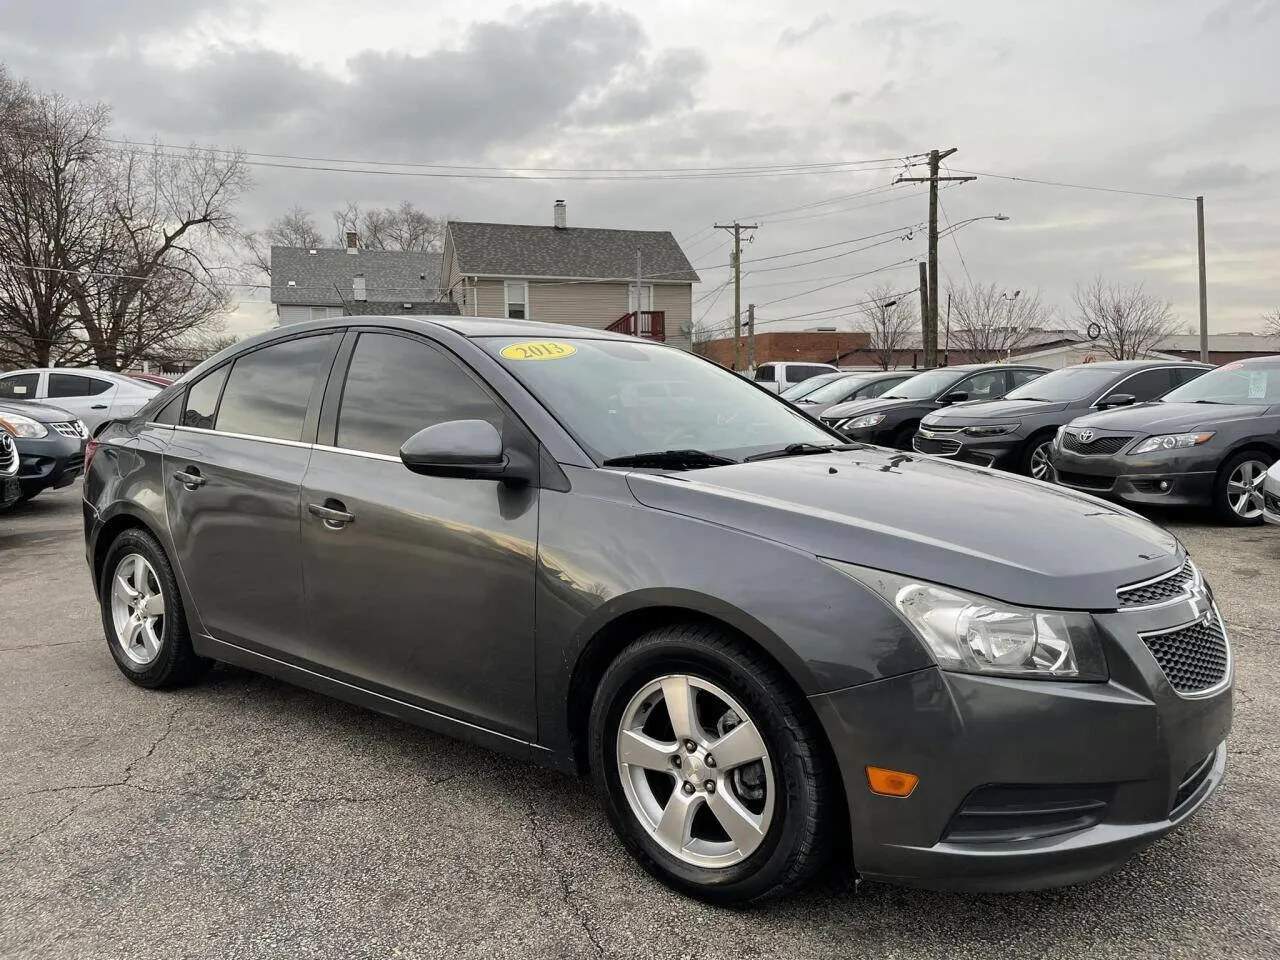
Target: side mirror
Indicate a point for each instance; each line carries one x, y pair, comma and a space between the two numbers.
958, 396
1117, 400
465, 449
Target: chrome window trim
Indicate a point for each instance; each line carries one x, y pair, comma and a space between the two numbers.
242, 436
366, 454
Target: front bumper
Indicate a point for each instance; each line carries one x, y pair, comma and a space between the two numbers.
1000, 453
53, 461
10, 491
1109, 768
880, 435
1271, 502
1172, 478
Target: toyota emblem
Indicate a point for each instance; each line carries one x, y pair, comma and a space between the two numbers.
1084, 436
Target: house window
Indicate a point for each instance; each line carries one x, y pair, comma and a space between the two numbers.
643, 300
517, 296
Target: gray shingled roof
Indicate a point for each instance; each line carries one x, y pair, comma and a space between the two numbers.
397, 308
516, 250
390, 276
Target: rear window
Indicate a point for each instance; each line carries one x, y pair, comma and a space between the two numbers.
1243, 383
765, 374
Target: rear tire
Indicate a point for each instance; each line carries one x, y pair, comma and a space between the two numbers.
143, 616
1237, 490
733, 831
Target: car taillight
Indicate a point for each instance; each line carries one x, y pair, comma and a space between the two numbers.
90, 448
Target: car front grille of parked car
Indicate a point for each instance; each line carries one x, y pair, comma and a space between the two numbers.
1095, 446
8, 456
72, 428
1194, 658
1085, 481
1175, 585
936, 446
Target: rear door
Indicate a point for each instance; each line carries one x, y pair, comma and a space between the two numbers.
426, 592
20, 386
82, 395
232, 476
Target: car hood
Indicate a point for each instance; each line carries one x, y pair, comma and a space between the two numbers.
991, 411
997, 535
1155, 418
856, 408
42, 412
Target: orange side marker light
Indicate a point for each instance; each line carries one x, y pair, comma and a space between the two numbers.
891, 783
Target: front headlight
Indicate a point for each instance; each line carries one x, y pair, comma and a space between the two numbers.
973, 634
991, 429
857, 423
1171, 441
21, 426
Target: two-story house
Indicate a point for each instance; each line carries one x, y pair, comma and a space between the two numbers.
637, 282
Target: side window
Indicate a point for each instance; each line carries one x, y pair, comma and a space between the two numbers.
765, 374
396, 386
1146, 385
988, 385
1183, 375
1018, 377
74, 385
202, 399
170, 413
874, 389
268, 390
20, 386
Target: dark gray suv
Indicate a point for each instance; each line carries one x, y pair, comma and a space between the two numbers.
767, 647
1017, 431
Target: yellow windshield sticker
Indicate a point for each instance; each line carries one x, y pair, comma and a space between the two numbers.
539, 350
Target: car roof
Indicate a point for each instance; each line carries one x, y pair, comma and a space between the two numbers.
1121, 365
78, 371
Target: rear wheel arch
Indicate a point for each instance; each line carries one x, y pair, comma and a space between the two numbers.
110, 532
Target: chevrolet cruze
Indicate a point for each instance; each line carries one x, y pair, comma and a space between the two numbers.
766, 646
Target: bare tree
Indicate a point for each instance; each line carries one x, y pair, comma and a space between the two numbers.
1128, 321
989, 323
1271, 323
391, 228
890, 323
296, 228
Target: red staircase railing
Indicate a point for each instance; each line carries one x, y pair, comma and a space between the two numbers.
648, 324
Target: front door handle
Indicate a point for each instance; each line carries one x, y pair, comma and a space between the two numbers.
99, 406
190, 478
332, 512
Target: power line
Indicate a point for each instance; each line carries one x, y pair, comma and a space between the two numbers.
954, 242
829, 246
836, 310
1079, 186
848, 279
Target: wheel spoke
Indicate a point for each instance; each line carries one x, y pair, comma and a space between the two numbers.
152, 606
677, 819
739, 823
138, 575
636, 749
740, 745
678, 694
148, 641
124, 589
132, 628
1236, 489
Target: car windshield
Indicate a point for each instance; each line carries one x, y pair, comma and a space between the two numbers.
924, 386
1072, 383
834, 391
805, 387
1254, 383
619, 399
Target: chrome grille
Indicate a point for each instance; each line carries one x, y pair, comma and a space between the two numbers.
71, 428
1095, 447
1193, 658
941, 447
8, 455
1174, 585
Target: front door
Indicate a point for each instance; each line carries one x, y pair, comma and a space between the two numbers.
420, 587
232, 474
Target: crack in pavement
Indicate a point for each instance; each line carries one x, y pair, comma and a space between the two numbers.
42, 646
566, 891
237, 797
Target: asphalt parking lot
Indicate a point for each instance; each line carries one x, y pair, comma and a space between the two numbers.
247, 818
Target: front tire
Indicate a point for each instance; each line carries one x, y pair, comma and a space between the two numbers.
1036, 462
1237, 490
711, 771
143, 616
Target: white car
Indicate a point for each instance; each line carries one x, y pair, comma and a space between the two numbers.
93, 396
1271, 495
780, 377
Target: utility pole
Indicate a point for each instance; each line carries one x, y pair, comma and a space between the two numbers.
924, 305
1204, 288
737, 229
931, 325
751, 336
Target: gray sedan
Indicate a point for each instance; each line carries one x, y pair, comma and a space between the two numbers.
850, 387
766, 647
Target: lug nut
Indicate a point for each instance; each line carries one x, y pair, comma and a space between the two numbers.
690, 746
711, 761
687, 788
675, 761
709, 786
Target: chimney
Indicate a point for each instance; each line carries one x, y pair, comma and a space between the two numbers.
353, 241
562, 216
357, 288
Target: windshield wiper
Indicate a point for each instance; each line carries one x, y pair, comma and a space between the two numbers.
800, 450
676, 459
1032, 399
1221, 403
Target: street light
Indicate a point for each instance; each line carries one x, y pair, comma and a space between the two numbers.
1008, 353
1002, 218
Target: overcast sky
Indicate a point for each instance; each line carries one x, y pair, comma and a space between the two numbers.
1164, 96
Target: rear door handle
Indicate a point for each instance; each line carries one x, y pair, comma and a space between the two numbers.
190, 478
332, 512
99, 406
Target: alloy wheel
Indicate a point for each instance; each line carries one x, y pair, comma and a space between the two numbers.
137, 609
1244, 489
1041, 468
695, 771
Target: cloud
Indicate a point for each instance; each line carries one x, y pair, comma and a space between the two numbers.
97, 23
1242, 13
792, 37
899, 32
651, 89
844, 98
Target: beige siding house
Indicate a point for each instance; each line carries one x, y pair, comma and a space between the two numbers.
630, 281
